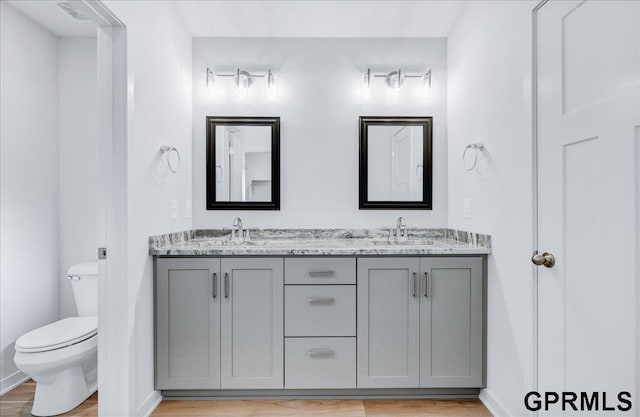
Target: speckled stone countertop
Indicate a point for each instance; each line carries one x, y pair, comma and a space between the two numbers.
320, 242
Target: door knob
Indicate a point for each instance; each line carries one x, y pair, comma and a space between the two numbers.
545, 259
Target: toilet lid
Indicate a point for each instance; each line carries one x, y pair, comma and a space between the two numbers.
58, 334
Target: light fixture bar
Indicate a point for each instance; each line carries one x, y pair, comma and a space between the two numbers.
242, 72
399, 72
242, 79
395, 79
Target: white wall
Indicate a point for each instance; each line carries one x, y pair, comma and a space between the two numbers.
489, 101
159, 65
319, 104
29, 182
78, 130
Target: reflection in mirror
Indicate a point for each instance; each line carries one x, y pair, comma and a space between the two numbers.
395, 168
395, 162
243, 163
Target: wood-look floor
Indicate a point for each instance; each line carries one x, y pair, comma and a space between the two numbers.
18, 402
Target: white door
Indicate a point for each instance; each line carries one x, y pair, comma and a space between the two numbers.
406, 165
588, 150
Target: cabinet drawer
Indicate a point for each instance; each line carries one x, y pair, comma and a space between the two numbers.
322, 362
320, 310
320, 271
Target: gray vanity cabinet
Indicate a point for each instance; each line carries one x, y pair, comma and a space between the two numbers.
451, 322
219, 323
388, 323
337, 322
252, 323
187, 323
420, 322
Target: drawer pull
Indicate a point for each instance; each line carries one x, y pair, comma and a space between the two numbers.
321, 300
215, 286
226, 285
320, 273
318, 352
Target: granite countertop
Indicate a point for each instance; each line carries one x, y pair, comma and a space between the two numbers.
320, 242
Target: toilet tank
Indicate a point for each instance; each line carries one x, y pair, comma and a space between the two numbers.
84, 282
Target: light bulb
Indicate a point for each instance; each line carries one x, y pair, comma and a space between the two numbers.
211, 82
271, 92
243, 81
365, 89
425, 90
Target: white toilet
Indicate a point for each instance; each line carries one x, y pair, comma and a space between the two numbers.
61, 357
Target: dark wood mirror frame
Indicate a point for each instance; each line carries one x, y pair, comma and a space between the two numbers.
426, 123
274, 123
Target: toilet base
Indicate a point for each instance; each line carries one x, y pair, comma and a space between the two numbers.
67, 391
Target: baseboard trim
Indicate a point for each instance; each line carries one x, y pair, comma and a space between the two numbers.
494, 406
149, 404
321, 393
12, 381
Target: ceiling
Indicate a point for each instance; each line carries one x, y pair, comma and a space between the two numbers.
280, 18
320, 18
49, 15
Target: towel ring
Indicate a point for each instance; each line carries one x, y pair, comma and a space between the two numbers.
476, 147
164, 149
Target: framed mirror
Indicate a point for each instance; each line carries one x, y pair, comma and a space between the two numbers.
395, 162
243, 163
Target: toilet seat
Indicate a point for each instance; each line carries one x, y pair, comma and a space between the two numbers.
59, 334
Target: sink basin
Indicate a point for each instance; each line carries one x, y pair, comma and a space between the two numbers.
408, 242
228, 242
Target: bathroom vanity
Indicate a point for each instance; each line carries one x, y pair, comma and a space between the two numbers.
320, 313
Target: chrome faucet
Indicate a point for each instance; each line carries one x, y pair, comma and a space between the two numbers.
237, 231
401, 228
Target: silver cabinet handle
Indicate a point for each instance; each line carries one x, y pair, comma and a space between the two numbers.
318, 273
415, 284
314, 352
226, 285
321, 300
215, 286
426, 284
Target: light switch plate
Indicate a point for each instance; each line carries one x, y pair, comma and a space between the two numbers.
187, 209
467, 208
174, 209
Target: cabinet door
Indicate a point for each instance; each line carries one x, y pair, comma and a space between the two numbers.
451, 322
252, 323
388, 327
187, 323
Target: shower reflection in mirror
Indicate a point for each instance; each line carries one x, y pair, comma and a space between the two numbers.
243, 163
395, 162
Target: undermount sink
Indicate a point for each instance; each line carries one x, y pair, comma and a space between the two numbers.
408, 242
228, 242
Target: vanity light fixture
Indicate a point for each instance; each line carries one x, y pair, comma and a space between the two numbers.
395, 80
243, 80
